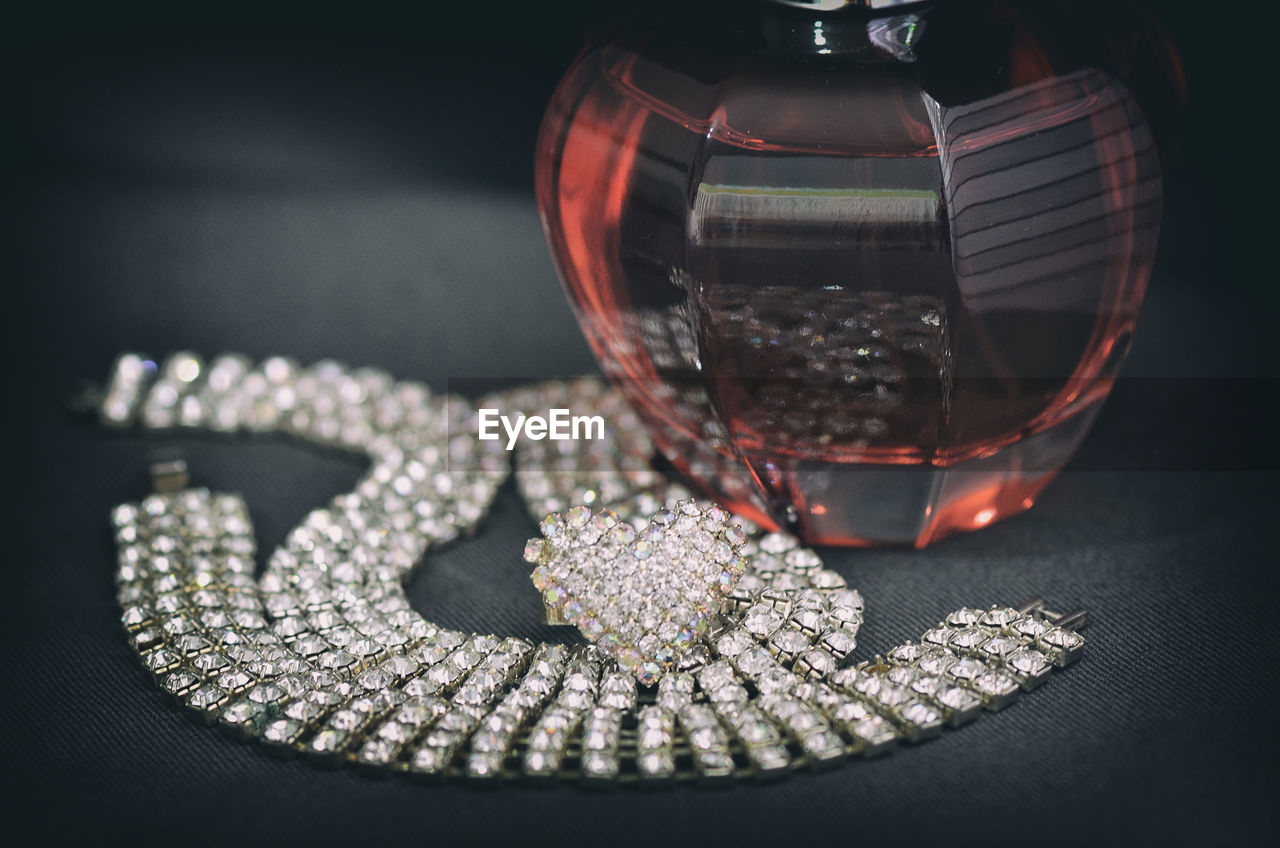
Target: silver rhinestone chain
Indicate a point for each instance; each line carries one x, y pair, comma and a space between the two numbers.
323, 655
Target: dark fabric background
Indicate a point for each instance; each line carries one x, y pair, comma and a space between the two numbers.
359, 187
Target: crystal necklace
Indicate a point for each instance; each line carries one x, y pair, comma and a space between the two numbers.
711, 650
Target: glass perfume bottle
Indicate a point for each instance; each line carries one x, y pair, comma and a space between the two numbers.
866, 276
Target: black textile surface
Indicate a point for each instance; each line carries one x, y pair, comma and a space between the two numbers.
349, 192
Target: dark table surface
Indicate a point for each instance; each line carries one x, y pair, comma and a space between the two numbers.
244, 201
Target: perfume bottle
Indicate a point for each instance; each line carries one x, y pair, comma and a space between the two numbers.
865, 275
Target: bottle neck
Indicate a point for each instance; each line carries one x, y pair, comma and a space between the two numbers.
847, 30
844, 35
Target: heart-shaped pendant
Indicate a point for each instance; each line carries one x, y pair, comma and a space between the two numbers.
645, 596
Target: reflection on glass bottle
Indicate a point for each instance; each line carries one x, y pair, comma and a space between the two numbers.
839, 302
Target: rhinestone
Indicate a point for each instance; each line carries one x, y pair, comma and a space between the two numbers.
145, 639
734, 643
754, 661
802, 559
762, 621
963, 618
824, 579
1030, 627
400, 666
806, 620
839, 642
850, 712
822, 746
304, 710
758, 732
235, 680
267, 693
970, 637
242, 713
537, 551
999, 646
924, 684
936, 661
939, 636
1058, 638
998, 617
282, 731
848, 617
1028, 661
328, 741
378, 752
816, 663
891, 694
905, 654
207, 697
136, 616
874, 733
777, 543
788, 642
996, 686
161, 660
966, 669
335, 660
180, 682
957, 699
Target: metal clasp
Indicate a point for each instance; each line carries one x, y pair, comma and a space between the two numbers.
1072, 620
169, 474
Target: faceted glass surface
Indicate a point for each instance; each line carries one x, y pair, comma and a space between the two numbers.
866, 278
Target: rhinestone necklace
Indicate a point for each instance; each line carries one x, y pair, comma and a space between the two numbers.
712, 650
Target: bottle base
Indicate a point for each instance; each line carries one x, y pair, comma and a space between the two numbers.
861, 504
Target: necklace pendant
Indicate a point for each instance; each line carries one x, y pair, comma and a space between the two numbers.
645, 596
